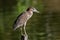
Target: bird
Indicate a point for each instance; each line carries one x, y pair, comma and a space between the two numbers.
22, 19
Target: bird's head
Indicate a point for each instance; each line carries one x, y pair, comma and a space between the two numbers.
32, 9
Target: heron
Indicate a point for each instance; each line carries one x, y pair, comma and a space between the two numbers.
22, 19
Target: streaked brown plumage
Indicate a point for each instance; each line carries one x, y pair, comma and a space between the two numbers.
23, 18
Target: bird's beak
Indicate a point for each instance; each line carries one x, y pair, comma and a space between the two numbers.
37, 11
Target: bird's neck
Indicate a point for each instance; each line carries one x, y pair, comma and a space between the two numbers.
30, 12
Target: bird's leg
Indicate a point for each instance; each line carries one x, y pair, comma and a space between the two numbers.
24, 28
21, 31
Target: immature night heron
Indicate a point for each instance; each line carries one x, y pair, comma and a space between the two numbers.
23, 18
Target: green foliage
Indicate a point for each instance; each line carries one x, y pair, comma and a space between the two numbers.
10, 13
37, 26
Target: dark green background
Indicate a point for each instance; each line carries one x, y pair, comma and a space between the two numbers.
43, 26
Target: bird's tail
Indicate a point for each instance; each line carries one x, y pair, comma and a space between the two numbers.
15, 27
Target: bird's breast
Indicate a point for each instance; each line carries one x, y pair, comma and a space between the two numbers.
29, 16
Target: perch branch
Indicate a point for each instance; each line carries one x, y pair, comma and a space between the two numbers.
24, 37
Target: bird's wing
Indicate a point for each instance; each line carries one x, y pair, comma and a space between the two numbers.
21, 19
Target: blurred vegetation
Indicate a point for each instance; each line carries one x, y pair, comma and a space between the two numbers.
43, 26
